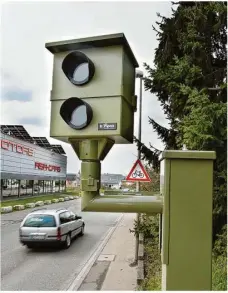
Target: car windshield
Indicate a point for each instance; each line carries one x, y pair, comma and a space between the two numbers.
40, 221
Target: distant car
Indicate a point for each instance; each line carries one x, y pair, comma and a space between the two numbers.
125, 189
23, 186
50, 227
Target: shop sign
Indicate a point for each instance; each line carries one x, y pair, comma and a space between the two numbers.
16, 147
45, 167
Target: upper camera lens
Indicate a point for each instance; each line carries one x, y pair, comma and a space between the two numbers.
81, 72
78, 68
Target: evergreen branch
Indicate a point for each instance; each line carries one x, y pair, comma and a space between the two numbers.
152, 147
158, 33
175, 3
163, 132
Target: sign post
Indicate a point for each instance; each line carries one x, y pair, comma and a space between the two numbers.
138, 174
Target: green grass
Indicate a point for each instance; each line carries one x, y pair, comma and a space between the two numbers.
34, 199
219, 273
72, 193
152, 282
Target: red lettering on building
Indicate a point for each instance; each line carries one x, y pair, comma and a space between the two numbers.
45, 167
16, 147
4, 145
50, 168
19, 149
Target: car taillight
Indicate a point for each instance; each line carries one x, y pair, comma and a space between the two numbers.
58, 233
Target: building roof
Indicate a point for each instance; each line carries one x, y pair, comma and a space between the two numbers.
18, 131
106, 178
111, 178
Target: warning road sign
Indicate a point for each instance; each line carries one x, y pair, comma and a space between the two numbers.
138, 173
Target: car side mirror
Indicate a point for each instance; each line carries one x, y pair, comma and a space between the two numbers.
77, 217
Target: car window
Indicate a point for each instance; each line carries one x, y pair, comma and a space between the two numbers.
40, 221
72, 216
64, 217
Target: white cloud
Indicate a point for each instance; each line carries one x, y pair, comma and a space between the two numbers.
29, 64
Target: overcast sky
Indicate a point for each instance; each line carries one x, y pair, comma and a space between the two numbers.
26, 66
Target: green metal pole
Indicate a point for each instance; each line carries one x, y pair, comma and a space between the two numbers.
125, 204
140, 75
90, 173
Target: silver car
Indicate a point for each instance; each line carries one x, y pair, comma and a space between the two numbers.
57, 226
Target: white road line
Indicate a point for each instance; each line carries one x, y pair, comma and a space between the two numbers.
93, 257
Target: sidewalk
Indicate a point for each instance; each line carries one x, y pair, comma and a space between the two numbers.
112, 270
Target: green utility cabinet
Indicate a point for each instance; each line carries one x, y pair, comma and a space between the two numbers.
187, 187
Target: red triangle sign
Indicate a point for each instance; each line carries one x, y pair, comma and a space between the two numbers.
138, 173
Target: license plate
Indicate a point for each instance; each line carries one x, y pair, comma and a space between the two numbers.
37, 237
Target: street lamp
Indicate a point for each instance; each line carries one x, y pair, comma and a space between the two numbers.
139, 74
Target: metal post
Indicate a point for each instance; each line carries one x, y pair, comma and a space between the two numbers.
19, 188
140, 75
32, 187
2, 183
11, 187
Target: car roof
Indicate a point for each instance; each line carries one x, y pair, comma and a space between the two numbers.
49, 211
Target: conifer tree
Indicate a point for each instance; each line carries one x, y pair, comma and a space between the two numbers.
189, 79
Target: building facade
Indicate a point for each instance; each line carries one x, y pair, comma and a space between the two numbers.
73, 180
24, 162
108, 180
111, 180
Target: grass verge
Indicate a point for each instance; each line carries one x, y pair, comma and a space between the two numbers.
219, 273
33, 199
152, 281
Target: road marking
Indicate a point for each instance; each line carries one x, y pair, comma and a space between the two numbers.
93, 257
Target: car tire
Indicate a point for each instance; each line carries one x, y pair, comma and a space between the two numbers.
82, 230
30, 246
67, 242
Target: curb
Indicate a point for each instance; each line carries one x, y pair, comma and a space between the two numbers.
39, 203
30, 205
140, 268
54, 200
19, 207
10, 209
5, 210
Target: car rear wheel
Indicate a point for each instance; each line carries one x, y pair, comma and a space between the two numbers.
30, 246
67, 243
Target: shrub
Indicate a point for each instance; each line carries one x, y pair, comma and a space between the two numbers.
219, 273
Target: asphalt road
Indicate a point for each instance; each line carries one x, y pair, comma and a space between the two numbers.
45, 269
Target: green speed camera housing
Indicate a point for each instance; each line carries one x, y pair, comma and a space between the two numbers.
93, 89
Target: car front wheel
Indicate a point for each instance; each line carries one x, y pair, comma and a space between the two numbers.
82, 230
30, 246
